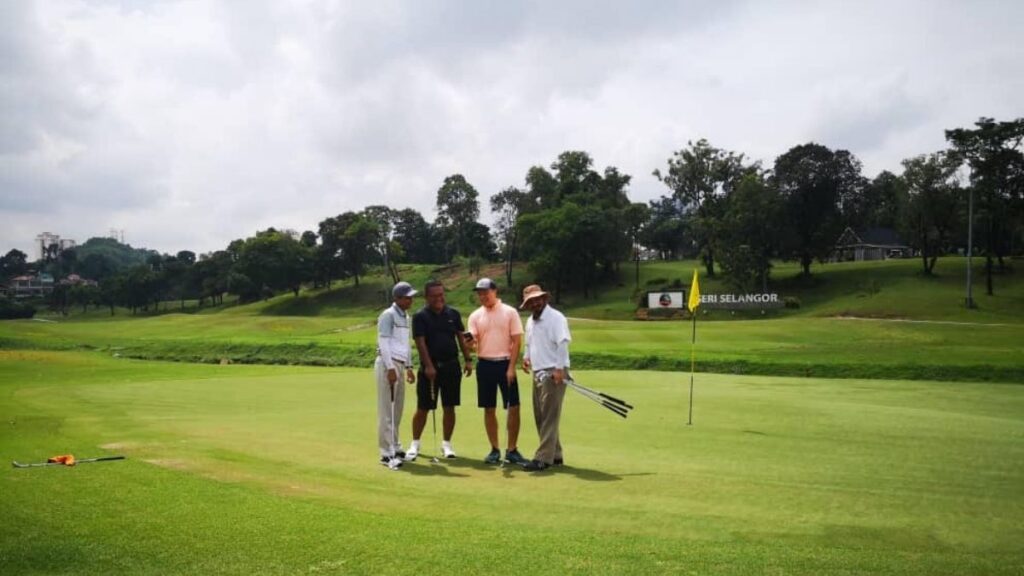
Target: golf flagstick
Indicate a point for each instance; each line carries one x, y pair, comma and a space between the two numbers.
692, 304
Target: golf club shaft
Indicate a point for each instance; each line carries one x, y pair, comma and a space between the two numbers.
613, 399
598, 397
17, 464
616, 409
433, 415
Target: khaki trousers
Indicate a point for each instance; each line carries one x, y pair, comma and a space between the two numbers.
387, 431
547, 413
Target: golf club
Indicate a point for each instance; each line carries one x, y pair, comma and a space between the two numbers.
605, 396
619, 410
394, 463
17, 464
433, 416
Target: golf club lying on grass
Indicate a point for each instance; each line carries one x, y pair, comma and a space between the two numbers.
55, 462
617, 406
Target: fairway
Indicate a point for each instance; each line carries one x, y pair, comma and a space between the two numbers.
261, 469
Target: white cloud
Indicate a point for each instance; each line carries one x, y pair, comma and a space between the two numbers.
189, 124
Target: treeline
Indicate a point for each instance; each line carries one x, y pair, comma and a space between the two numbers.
576, 225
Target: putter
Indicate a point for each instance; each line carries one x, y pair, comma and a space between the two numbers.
392, 465
17, 464
433, 416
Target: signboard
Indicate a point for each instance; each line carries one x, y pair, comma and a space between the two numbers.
666, 300
740, 301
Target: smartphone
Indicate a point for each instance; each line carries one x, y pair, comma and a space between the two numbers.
468, 336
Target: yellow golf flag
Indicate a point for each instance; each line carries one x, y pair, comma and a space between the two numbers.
694, 294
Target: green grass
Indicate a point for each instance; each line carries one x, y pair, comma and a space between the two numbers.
261, 469
942, 340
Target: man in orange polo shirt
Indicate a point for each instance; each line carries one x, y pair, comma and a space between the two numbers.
497, 332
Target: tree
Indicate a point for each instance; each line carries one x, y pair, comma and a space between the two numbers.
667, 231
274, 261
574, 229
211, 276
457, 208
637, 216
383, 219
992, 151
701, 177
14, 263
416, 237
751, 233
884, 197
813, 182
507, 205
932, 204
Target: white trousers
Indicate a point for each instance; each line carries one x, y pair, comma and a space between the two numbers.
387, 430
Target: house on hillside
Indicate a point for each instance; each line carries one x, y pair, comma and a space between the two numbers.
870, 244
76, 280
31, 286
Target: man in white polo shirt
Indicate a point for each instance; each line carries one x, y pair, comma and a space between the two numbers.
547, 359
393, 357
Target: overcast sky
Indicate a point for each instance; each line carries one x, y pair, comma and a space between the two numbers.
189, 124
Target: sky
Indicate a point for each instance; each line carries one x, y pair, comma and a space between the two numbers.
188, 124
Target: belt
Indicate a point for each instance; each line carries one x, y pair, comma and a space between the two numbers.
505, 359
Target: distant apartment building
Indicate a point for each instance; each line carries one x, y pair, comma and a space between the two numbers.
45, 240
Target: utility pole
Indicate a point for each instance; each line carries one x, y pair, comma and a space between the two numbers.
970, 243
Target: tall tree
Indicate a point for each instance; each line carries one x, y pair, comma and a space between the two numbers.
457, 208
751, 233
667, 231
884, 197
383, 219
14, 263
993, 152
932, 205
701, 177
416, 237
637, 216
813, 182
507, 205
275, 261
576, 231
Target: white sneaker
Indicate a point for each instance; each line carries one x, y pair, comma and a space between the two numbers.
395, 463
413, 452
446, 449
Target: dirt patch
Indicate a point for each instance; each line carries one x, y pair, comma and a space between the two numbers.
170, 463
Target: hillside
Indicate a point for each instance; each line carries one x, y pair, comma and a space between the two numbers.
893, 289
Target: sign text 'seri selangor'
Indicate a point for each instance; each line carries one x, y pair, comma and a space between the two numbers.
740, 301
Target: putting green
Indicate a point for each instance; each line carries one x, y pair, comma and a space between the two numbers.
249, 469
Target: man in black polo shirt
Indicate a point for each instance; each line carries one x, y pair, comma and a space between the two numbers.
437, 330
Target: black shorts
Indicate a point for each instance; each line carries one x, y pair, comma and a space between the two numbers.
448, 383
490, 377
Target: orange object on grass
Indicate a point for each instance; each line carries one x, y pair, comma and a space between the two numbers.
65, 459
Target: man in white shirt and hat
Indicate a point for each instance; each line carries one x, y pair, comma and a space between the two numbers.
547, 359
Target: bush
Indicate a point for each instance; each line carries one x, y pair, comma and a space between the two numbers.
657, 281
10, 310
791, 302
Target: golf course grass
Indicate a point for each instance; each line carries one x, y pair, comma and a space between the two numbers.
272, 470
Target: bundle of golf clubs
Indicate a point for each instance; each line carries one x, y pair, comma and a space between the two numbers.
612, 403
